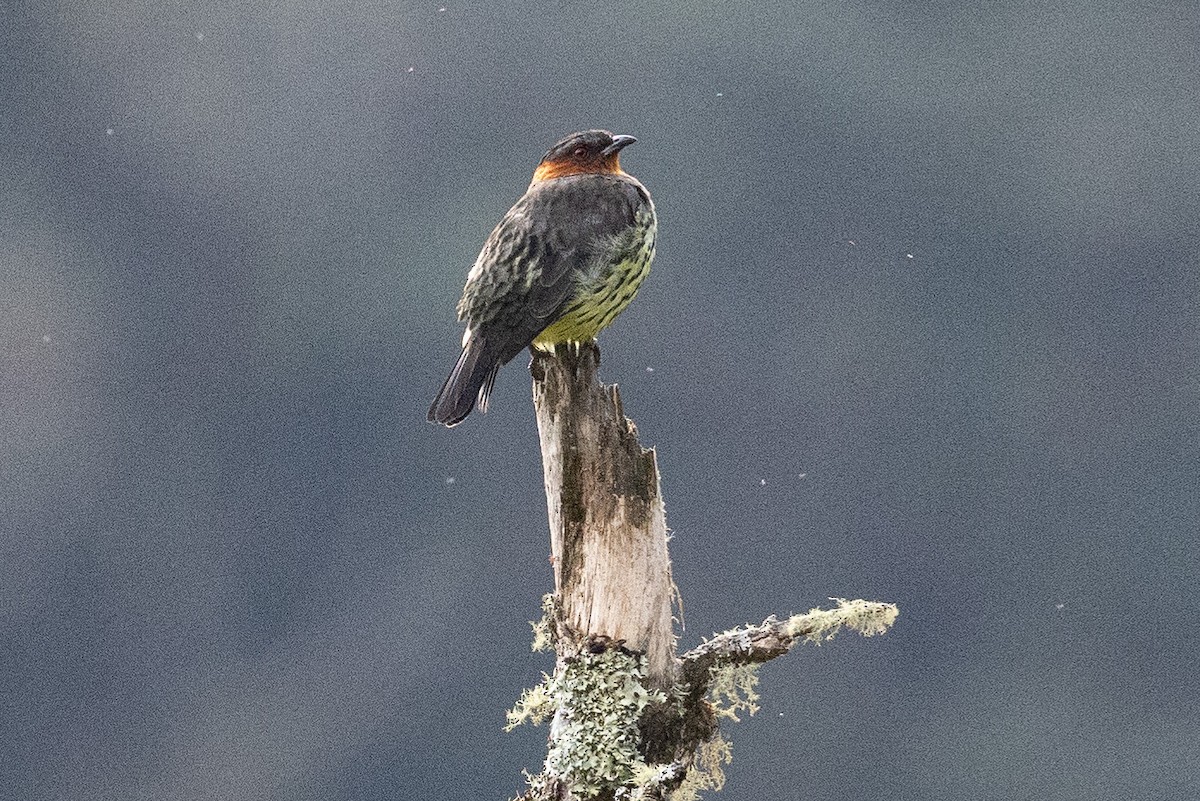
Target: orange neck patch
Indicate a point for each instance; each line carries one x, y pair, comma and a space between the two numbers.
561, 168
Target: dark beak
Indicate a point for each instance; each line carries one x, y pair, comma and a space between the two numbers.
618, 143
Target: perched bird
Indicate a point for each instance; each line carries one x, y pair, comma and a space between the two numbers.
566, 259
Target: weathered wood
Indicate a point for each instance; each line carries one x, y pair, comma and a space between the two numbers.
608, 531
629, 718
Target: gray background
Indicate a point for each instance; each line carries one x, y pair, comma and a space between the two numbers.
923, 328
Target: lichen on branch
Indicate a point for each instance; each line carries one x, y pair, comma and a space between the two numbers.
774, 637
612, 733
597, 698
630, 719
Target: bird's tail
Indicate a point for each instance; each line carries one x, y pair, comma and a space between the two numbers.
470, 380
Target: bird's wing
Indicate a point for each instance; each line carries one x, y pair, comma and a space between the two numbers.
558, 234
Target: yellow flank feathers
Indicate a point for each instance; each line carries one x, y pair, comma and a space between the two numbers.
596, 307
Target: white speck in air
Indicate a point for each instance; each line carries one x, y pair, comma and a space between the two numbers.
449, 480
199, 36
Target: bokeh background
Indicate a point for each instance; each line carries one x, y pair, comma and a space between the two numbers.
924, 327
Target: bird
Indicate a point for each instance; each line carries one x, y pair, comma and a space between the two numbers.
566, 259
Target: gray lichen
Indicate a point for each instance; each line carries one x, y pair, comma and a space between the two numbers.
597, 700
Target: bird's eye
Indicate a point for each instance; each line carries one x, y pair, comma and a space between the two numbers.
579, 152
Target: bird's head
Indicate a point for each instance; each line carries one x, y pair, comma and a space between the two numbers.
584, 152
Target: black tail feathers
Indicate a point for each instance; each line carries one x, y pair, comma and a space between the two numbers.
470, 380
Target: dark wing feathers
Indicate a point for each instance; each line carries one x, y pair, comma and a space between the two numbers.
470, 380
559, 233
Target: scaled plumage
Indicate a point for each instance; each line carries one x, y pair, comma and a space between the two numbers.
564, 261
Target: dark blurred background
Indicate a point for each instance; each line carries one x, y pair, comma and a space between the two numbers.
923, 328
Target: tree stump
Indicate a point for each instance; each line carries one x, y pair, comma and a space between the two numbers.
608, 529
630, 719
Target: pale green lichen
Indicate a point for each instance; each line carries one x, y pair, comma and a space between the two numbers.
706, 772
600, 699
865, 617
650, 777
535, 706
596, 701
543, 629
732, 689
